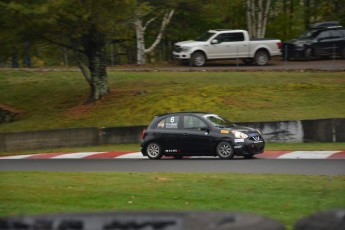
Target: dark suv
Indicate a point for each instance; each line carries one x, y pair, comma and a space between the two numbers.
325, 39
199, 134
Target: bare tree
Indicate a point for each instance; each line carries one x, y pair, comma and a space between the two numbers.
257, 17
141, 27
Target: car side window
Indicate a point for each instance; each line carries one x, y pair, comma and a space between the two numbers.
324, 35
236, 37
230, 37
335, 34
342, 33
191, 122
168, 123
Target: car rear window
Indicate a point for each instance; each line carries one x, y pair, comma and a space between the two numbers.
170, 122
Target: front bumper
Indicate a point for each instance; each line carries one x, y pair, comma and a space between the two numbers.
249, 148
292, 51
182, 55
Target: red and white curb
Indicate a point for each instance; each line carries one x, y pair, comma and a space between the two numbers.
138, 155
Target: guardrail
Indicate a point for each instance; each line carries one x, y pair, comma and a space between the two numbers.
323, 130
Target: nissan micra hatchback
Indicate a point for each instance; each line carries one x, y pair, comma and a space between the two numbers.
199, 134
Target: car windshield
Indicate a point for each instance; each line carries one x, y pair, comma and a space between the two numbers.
204, 37
218, 121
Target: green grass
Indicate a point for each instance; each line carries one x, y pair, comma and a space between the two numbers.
49, 100
285, 198
55, 99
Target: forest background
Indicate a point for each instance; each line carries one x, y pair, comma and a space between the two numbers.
94, 35
21, 45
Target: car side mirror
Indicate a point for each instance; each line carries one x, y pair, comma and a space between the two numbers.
205, 129
214, 41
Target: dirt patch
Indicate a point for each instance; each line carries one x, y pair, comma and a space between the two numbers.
8, 113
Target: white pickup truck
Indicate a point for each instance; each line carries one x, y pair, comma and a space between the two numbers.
227, 44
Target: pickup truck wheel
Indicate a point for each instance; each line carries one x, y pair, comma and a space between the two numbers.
261, 57
225, 151
198, 59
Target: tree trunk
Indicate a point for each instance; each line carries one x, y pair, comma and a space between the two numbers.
94, 46
166, 20
257, 17
140, 35
139, 31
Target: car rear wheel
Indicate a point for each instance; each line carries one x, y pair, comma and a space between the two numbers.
261, 57
153, 151
224, 150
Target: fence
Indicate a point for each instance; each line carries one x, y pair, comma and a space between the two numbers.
324, 130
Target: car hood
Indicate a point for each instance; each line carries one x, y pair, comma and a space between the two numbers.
189, 43
243, 129
299, 41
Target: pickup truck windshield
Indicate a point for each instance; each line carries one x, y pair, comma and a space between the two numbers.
204, 37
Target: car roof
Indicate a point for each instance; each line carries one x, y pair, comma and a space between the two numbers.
177, 113
326, 25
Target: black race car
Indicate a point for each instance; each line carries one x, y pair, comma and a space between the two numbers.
324, 39
199, 134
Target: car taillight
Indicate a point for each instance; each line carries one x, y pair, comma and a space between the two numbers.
279, 44
143, 134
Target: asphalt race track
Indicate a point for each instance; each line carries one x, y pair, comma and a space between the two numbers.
328, 167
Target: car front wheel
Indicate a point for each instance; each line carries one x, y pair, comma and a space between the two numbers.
224, 150
153, 151
198, 59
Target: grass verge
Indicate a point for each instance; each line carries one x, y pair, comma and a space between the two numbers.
47, 100
285, 198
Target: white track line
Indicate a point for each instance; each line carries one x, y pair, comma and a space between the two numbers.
136, 155
75, 155
307, 155
17, 157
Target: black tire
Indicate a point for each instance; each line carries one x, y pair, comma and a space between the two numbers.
248, 61
308, 54
261, 57
153, 151
198, 59
225, 150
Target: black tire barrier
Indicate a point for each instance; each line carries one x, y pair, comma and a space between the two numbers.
328, 220
142, 220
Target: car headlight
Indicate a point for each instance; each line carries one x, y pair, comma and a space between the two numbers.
239, 134
185, 49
